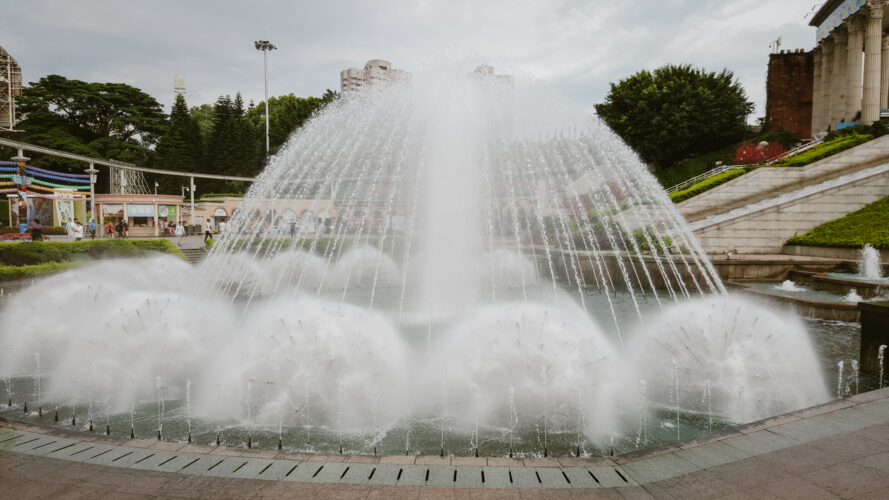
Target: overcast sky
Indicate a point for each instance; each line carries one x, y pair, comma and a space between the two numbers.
575, 46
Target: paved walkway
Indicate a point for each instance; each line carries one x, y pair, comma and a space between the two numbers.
838, 450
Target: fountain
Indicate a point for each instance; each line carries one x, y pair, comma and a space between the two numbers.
489, 284
869, 267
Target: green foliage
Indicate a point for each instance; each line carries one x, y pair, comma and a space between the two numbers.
103, 120
54, 230
180, 148
286, 114
42, 252
10, 273
866, 226
692, 167
877, 129
706, 185
824, 150
676, 112
660, 245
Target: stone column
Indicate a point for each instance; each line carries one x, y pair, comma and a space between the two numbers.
884, 80
840, 82
870, 104
826, 84
817, 95
853, 68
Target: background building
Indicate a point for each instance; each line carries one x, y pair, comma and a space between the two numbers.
848, 87
375, 72
789, 93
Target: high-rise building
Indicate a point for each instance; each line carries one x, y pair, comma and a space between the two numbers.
375, 72
10, 88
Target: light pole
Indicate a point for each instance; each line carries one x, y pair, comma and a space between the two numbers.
265, 46
92, 171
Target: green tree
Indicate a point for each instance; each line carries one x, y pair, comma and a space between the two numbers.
286, 114
676, 112
180, 147
104, 120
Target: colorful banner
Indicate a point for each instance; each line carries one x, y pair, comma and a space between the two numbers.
140, 210
167, 211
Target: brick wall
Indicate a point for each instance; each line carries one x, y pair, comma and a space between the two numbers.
789, 93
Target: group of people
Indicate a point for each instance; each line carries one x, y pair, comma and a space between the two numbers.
121, 228
75, 229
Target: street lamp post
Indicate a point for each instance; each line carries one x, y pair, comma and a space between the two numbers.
265, 46
93, 171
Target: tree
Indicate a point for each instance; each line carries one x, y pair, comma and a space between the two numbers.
103, 120
180, 147
676, 112
286, 114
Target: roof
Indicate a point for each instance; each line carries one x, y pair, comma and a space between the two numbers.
826, 9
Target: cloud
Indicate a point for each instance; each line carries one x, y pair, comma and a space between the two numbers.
576, 46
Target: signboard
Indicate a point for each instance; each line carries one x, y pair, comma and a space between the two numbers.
220, 213
140, 210
17, 180
167, 211
112, 209
64, 210
836, 18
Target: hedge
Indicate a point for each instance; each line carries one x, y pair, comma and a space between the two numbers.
4, 213
27, 259
824, 150
54, 230
706, 185
870, 225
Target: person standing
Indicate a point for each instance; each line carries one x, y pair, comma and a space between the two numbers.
68, 225
77, 230
36, 230
179, 232
126, 229
92, 229
208, 230
109, 230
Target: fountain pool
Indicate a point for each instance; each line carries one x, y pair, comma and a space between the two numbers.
485, 284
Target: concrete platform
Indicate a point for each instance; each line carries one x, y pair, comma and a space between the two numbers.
837, 450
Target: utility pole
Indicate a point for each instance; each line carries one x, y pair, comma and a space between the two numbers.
265, 46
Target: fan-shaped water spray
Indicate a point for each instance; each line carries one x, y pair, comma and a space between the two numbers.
477, 281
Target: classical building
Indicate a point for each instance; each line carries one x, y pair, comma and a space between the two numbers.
789, 93
10, 88
375, 72
851, 81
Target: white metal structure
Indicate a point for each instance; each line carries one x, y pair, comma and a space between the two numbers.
265, 46
10, 88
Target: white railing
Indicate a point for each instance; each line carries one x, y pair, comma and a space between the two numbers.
698, 178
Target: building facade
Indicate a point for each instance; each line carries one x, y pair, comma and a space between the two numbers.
375, 72
789, 93
851, 63
10, 88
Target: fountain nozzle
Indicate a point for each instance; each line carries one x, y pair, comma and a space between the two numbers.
189, 438
578, 452
56, 418
132, 433
280, 444
476, 453
158, 434
73, 420
545, 452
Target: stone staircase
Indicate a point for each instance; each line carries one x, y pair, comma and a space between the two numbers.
194, 255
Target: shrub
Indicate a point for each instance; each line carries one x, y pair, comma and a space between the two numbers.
43, 252
824, 150
660, 245
750, 153
706, 185
866, 226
